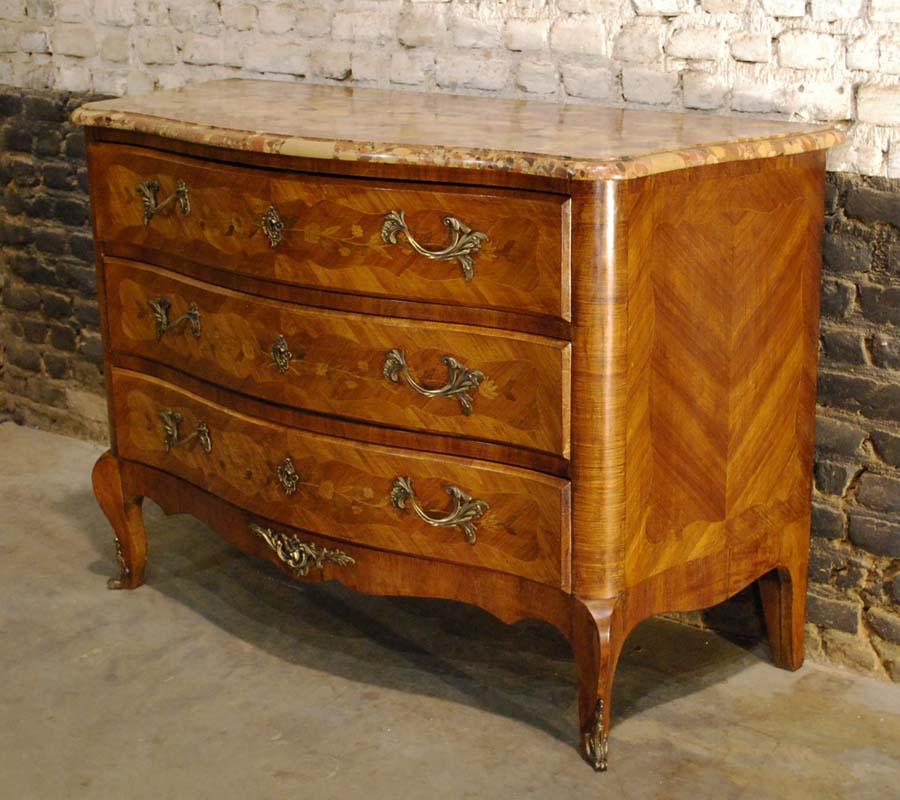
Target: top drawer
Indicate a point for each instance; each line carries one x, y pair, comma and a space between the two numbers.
498, 249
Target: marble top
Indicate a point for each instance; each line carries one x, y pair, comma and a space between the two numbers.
582, 142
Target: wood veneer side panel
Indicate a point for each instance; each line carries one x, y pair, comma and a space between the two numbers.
598, 372
723, 272
93, 191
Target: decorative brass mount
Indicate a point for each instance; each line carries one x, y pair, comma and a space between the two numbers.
160, 308
464, 243
150, 188
272, 226
596, 741
171, 420
281, 354
287, 476
465, 513
460, 379
300, 556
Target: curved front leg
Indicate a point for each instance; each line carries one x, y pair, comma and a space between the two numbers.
124, 514
597, 638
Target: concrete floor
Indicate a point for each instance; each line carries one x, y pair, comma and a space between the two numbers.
220, 679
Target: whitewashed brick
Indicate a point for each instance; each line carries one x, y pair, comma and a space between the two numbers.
362, 26
821, 101
586, 6
9, 38
642, 85
808, 50
152, 12
240, 17
276, 19
661, 8
475, 31
114, 46
784, 8
289, 59
155, 47
639, 42
204, 50
538, 77
34, 42
526, 35
172, 80
12, 10
370, 65
471, 71
106, 81
702, 90
879, 105
73, 10
893, 160
884, 10
574, 36
753, 47
74, 40
73, 78
140, 82
313, 22
596, 83
863, 53
115, 12
756, 97
890, 55
723, 6
330, 62
422, 26
696, 43
411, 67
196, 17
830, 10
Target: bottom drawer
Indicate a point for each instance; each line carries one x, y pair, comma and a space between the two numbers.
457, 510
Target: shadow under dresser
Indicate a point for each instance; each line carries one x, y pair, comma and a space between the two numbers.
554, 361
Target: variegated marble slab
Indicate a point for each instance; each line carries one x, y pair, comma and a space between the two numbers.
581, 142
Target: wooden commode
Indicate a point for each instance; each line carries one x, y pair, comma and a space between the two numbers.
555, 361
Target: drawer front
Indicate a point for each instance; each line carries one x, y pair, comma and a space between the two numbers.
502, 518
438, 378
337, 234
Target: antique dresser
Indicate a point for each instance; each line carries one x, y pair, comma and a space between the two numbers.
555, 361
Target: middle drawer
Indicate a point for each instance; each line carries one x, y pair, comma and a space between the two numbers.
440, 378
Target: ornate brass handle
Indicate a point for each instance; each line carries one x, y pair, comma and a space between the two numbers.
160, 308
281, 355
298, 555
460, 379
171, 421
465, 513
287, 476
150, 188
464, 243
272, 226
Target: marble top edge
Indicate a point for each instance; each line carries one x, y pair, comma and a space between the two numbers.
570, 141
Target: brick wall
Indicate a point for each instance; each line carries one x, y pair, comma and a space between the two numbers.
807, 59
50, 351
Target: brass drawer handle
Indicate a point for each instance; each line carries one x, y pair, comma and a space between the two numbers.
150, 188
465, 513
171, 420
160, 308
300, 556
464, 243
281, 355
287, 476
460, 381
272, 226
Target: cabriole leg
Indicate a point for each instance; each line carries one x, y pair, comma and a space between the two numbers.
783, 593
596, 641
124, 514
